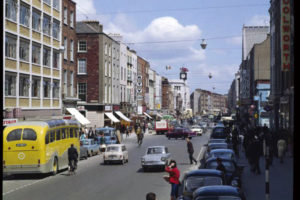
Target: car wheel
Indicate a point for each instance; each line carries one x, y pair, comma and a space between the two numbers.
145, 169
105, 162
92, 153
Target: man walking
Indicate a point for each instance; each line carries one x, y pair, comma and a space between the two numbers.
190, 150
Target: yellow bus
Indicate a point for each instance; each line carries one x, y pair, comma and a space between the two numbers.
38, 146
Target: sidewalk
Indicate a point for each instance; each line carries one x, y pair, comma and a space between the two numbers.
281, 179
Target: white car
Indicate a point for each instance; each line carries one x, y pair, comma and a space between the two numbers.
197, 129
115, 153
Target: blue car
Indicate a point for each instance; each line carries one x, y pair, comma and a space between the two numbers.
92, 147
218, 192
109, 135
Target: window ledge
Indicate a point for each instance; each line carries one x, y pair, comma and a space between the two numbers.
37, 31
10, 20
36, 64
24, 61
81, 51
45, 34
25, 26
81, 73
10, 58
24, 97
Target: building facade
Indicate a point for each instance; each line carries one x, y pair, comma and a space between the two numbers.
143, 71
32, 60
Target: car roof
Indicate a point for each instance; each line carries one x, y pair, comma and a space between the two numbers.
156, 147
212, 159
118, 145
207, 172
222, 150
217, 144
223, 190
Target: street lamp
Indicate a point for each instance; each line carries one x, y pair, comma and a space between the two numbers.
203, 44
209, 76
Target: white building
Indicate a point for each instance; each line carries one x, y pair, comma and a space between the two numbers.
181, 93
132, 78
151, 89
32, 59
158, 92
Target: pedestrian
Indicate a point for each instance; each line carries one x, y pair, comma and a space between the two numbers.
255, 151
127, 131
235, 141
174, 175
151, 196
190, 150
82, 135
90, 133
281, 146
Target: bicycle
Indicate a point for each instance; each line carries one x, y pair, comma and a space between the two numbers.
72, 167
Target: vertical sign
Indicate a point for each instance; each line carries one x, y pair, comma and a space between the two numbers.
285, 34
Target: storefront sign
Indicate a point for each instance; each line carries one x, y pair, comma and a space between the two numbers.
285, 35
9, 121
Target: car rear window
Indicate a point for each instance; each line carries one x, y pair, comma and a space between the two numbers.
29, 134
155, 151
14, 135
194, 182
114, 148
228, 165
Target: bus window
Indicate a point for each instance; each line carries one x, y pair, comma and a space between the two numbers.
52, 136
29, 134
14, 135
76, 132
47, 138
71, 132
67, 132
63, 133
58, 134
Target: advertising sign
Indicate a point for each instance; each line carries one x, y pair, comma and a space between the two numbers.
285, 35
9, 121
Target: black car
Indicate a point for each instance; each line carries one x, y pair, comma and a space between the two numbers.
218, 192
212, 146
200, 178
219, 132
233, 171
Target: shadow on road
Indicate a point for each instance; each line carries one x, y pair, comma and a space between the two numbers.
151, 170
25, 177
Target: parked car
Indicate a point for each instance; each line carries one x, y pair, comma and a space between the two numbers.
156, 156
200, 178
180, 132
218, 132
83, 151
92, 146
233, 171
212, 146
110, 135
115, 153
197, 129
217, 141
222, 153
218, 192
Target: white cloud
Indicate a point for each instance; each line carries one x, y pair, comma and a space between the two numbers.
259, 20
84, 9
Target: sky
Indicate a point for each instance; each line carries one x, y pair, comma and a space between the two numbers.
169, 33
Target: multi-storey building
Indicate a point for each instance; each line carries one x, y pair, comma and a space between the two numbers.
97, 72
32, 60
282, 65
167, 97
158, 92
131, 80
151, 88
69, 61
143, 71
181, 95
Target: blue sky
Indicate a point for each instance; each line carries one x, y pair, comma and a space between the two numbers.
220, 22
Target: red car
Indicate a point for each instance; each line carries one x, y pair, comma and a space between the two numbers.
180, 132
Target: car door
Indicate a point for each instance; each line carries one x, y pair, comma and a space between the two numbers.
125, 152
168, 155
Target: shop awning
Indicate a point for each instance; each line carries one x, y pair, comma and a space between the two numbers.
111, 117
158, 115
79, 117
147, 115
123, 116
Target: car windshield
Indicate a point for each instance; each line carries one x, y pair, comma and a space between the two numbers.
112, 148
222, 154
194, 182
218, 147
157, 150
217, 141
218, 198
229, 166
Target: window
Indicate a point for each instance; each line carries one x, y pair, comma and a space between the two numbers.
72, 19
82, 66
36, 20
24, 50
105, 94
71, 132
46, 88
52, 136
82, 46
35, 87
55, 29
56, 4
10, 84
10, 46
109, 69
11, 9
65, 81
14, 135
29, 134
109, 50
105, 66
24, 15
46, 57
55, 59
65, 15
67, 133
58, 136
82, 91
71, 50
105, 49
66, 48
71, 83
63, 133
55, 89
36, 52
47, 138
47, 2
24, 86
46, 25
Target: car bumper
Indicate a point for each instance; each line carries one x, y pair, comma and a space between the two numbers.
153, 163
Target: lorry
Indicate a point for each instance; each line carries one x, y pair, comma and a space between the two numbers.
161, 127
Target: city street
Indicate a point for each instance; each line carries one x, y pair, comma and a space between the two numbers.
93, 180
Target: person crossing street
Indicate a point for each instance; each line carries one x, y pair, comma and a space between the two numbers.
190, 150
